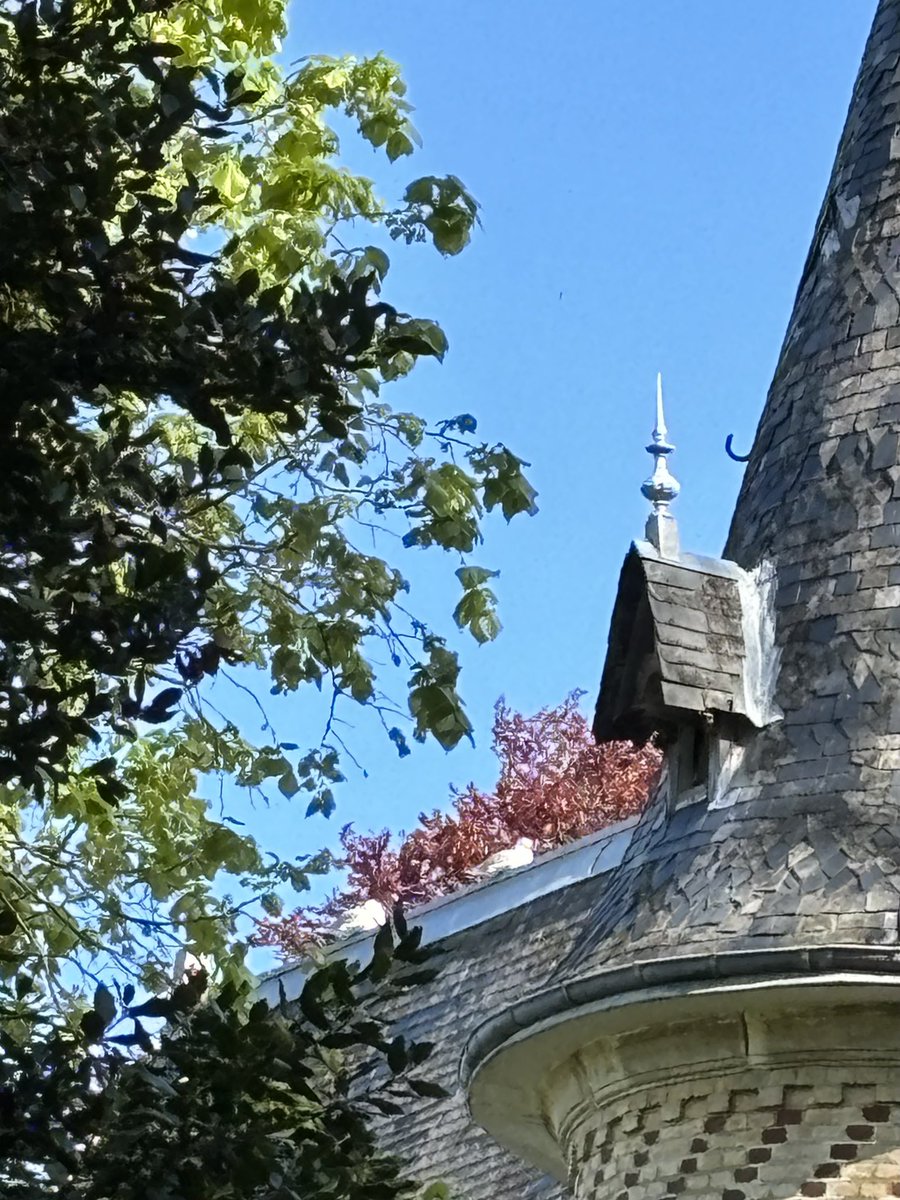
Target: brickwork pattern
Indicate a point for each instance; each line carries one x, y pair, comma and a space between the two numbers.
804, 846
761, 1136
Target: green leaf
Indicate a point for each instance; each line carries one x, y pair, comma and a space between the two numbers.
248, 282
472, 577
397, 737
322, 802
398, 144
397, 1056
419, 337
288, 785
374, 258
436, 1191
311, 999
477, 613
155, 1080
92, 1026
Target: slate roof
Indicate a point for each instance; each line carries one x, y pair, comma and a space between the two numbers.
483, 969
676, 645
802, 845
497, 940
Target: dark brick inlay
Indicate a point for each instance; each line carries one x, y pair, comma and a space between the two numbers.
759, 1154
844, 1152
877, 1112
861, 1133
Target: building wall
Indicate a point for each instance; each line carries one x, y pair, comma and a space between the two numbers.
770, 1101
828, 1132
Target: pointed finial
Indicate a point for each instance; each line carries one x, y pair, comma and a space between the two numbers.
659, 433
662, 487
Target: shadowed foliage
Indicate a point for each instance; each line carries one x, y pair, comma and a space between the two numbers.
192, 435
222, 1102
192, 441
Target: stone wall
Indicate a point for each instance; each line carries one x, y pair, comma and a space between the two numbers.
766, 1091
764, 1135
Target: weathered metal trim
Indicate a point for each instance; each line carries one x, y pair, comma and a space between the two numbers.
458, 911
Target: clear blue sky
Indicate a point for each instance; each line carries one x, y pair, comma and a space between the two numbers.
650, 172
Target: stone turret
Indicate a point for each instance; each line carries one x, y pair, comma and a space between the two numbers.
727, 1022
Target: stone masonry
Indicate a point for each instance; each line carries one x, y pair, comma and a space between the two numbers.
837, 1134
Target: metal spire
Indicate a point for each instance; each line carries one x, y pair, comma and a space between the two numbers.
662, 487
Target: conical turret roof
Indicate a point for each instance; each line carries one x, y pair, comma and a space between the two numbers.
778, 667
800, 845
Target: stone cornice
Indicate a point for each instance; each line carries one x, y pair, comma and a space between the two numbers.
535, 1069
651, 978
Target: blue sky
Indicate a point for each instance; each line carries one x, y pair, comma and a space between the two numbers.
650, 172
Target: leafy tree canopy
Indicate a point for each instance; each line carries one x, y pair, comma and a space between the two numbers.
222, 1103
195, 450
194, 441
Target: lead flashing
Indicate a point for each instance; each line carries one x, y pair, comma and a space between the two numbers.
464, 909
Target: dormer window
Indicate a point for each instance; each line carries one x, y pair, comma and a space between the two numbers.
676, 652
691, 761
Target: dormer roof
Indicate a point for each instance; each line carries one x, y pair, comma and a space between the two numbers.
676, 645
